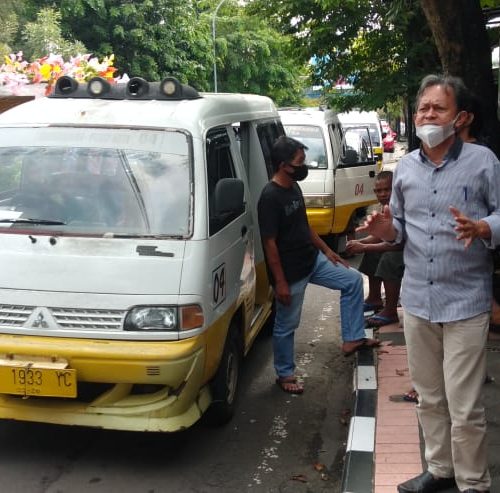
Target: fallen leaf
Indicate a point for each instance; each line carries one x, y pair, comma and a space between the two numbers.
319, 467
299, 477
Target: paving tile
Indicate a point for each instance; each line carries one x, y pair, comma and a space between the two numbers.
397, 439
399, 458
396, 448
405, 420
390, 405
403, 467
384, 489
393, 479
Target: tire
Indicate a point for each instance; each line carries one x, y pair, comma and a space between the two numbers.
336, 242
224, 386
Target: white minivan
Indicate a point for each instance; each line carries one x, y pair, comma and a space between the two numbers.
342, 169
371, 120
132, 276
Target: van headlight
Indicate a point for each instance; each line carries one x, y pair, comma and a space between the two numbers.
319, 201
164, 318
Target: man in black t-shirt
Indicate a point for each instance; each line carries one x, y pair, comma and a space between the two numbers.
295, 256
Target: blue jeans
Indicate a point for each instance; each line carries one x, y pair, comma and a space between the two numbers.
325, 273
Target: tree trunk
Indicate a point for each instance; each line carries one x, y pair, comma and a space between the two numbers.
421, 58
459, 31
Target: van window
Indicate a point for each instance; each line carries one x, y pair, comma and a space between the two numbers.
356, 147
219, 165
76, 187
312, 137
268, 133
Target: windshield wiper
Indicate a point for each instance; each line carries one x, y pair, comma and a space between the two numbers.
27, 220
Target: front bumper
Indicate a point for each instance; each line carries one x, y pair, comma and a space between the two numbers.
146, 386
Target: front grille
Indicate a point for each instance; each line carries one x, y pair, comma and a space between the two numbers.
73, 318
14, 315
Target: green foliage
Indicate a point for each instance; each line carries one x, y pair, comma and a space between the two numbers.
43, 36
369, 43
155, 38
151, 39
9, 20
254, 58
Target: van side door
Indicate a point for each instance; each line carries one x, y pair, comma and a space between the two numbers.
354, 175
231, 233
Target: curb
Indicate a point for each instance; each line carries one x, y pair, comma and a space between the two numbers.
358, 472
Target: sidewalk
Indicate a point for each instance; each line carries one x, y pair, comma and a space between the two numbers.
397, 453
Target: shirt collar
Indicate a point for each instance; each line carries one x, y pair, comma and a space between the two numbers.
453, 152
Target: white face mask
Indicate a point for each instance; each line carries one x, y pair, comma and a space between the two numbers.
433, 135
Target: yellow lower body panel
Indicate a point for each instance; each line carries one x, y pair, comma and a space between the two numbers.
139, 386
327, 221
152, 416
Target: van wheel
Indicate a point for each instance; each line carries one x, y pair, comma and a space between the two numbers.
332, 241
224, 386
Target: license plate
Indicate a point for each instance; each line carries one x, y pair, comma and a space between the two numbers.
37, 378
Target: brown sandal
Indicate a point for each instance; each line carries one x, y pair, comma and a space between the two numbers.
289, 385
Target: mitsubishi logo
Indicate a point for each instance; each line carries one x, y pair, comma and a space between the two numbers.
40, 321
41, 318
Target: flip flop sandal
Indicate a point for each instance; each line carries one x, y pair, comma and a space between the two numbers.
370, 307
289, 385
380, 321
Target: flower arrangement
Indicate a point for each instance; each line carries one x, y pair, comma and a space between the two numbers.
16, 72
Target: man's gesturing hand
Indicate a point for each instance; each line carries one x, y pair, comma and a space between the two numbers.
379, 224
468, 229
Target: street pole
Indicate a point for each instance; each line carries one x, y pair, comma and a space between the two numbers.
213, 41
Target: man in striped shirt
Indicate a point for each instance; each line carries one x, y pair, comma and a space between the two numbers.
446, 191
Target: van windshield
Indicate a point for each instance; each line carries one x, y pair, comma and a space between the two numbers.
112, 182
312, 137
374, 133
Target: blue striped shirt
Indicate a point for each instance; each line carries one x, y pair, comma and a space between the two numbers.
443, 281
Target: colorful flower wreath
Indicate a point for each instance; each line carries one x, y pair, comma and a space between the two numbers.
17, 72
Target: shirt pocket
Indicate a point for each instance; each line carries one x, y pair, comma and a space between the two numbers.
467, 202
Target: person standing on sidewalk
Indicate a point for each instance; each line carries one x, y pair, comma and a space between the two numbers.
296, 255
446, 191
382, 263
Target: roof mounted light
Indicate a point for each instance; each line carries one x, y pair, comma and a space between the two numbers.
98, 86
170, 86
137, 87
65, 85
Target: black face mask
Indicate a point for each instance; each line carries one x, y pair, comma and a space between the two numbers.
299, 173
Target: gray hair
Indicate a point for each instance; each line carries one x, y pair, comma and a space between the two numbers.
456, 84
